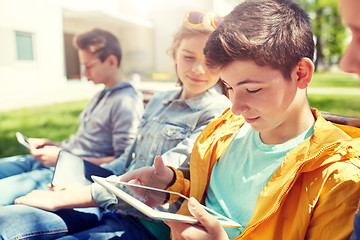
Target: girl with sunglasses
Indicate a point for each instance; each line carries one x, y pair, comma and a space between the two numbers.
171, 123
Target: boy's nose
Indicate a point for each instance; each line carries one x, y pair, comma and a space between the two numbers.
239, 106
350, 61
239, 110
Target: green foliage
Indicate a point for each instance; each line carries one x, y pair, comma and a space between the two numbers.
55, 122
328, 30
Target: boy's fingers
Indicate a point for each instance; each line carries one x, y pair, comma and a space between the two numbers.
209, 222
177, 228
196, 209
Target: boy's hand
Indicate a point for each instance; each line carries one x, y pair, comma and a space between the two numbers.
47, 155
40, 142
210, 227
157, 176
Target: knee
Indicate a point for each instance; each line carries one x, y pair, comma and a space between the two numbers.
31, 222
12, 218
13, 212
10, 166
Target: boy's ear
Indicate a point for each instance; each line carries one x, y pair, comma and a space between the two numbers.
303, 72
112, 60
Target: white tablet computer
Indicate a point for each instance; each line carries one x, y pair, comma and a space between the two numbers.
127, 192
71, 169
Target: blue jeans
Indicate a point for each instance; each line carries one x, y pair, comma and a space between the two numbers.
24, 222
20, 175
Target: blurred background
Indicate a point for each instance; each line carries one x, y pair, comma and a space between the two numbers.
39, 65
37, 55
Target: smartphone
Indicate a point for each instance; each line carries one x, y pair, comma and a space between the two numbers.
23, 140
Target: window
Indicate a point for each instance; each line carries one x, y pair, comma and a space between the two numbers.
24, 45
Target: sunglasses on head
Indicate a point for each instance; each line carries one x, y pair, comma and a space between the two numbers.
197, 18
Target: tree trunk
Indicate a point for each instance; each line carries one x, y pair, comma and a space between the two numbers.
319, 50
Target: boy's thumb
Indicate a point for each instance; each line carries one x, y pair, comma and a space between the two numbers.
196, 209
159, 165
207, 221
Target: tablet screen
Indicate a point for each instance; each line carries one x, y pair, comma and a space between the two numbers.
149, 201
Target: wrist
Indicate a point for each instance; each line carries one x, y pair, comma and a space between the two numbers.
58, 201
173, 180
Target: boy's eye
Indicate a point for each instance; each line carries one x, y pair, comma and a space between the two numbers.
254, 91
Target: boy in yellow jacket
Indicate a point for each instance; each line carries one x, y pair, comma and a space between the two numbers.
272, 163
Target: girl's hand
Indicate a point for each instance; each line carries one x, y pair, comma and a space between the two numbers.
41, 199
70, 197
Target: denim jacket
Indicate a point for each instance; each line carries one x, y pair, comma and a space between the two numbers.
169, 127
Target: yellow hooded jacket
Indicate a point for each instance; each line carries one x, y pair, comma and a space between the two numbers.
313, 195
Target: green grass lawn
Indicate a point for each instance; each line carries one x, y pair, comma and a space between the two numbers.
58, 121
335, 80
341, 104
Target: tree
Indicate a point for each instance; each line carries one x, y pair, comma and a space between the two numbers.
329, 32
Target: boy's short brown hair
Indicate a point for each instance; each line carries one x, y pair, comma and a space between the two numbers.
99, 42
275, 33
